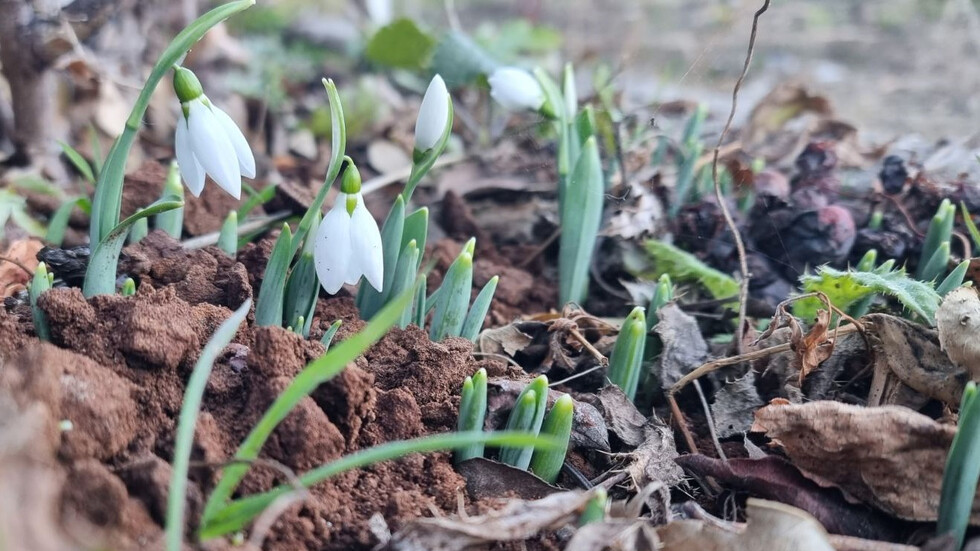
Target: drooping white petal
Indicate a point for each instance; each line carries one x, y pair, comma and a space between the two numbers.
213, 148
516, 89
433, 115
190, 169
246, 161
332, 250
366, 245
379, 11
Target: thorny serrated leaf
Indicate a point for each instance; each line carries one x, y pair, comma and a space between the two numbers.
683, 266
890, 457
517, 521
776, 479
844, 288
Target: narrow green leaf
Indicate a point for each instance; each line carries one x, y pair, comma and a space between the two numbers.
189, 410
338, 146
472, 413
100, 275
954, 279
228, 237
546, 463
302, 288
327, 339
940, 231
269, 306
478, 312
255, 199
595, 509
405, 275
139, 230
236, 515
962, 471
453, 304
520, 456
58, 224
937, 264
971, 227
581, 215
313, 375
626, 362
172, 221
78, 161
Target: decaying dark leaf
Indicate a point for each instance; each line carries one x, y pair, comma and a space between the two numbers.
733, 408
813, 347
684, 348
776, 479
517, 521
588, 428
492, 479
890, 457
909, 366
652, 460
615, 535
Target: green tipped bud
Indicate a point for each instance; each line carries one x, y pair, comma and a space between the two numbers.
39, 284
472, 412
936, 266
546, 463
954, 279
940, 231
478, 312
595, 508
662, 294
527, 416
186, 85
350, 183
128, 287
877, 217
172, 221
328, 335
868, 261
452, 304
228, 237
139, 230
626, 363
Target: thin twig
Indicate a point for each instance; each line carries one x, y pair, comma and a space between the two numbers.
17, 263
603, 361
710, 422
743, 287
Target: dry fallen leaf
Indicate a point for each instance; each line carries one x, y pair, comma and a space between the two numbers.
813, 347
517, 521
771, 526
890, 457
21, 255
958, 322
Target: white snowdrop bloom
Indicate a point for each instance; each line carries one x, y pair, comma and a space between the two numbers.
208, 141
348, 242
516, 89
433, 115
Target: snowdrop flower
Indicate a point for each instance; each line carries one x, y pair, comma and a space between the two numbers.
208, 141
348, 243
516, 89
433, 115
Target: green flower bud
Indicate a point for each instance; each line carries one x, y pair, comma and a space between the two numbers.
186, 85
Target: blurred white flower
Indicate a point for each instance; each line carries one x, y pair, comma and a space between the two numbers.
433, 115
379, 11
348, 242
208, 141
516, 89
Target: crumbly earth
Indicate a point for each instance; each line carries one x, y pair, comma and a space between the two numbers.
116, 370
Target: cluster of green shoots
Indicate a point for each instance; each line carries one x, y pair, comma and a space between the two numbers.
581, 184
287, 296
528, 416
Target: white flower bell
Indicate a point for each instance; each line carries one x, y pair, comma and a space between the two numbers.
516, 89
208, 141
348, 242
433, 115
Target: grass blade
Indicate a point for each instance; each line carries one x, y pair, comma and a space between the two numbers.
268, 307
478, 312
581, 215
188, 420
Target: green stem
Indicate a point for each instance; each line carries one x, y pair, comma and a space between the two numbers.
108, 191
